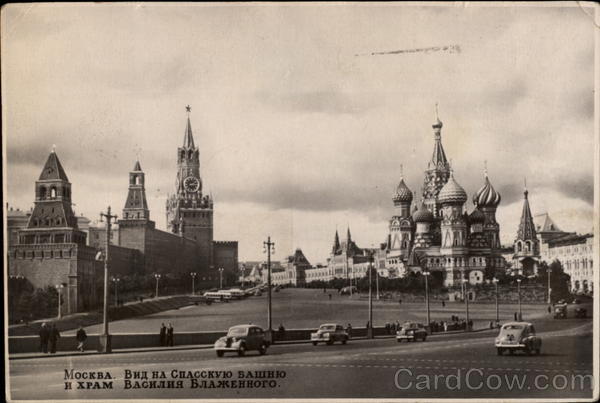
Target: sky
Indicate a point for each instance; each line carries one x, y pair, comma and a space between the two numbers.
301, 129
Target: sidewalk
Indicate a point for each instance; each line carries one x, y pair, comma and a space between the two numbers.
36, 355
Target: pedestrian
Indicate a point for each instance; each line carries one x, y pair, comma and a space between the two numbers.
330, 296
445, 326
281, 332
53, 337
443, 303
170, 331
491, 324
515, 316
470, 323
349, 330
368, 325
44, 336
81, 338
549, 309
163, 334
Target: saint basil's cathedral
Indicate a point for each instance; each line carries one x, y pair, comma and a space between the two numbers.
439, 235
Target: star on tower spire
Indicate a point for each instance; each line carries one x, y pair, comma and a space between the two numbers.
188, 140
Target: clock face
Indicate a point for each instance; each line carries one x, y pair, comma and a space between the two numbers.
191, 184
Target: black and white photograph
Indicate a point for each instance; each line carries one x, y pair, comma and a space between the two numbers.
334, 201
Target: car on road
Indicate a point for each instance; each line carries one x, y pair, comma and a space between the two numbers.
329, 333
560, 311
349, 290
518, 336
411, 331
580, 312
242, 338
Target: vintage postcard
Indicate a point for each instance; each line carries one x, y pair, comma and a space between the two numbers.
332, 201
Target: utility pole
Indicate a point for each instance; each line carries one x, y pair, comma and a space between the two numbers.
105, 342
193, 274
370, 328
426, 274
269, 247
549, 271
495, 280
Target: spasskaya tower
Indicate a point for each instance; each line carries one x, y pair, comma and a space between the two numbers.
189, 212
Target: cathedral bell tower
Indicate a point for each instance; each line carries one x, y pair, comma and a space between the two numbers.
189, 212
437, 173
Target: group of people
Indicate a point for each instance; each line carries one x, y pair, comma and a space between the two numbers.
166, 335
49, 336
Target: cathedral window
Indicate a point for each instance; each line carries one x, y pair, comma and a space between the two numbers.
53, 192
42, 192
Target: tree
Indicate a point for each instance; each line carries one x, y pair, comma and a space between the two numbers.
559, 280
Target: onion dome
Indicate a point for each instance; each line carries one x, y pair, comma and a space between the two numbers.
452, 192
487, 195
422, 215
403, 194
476, 217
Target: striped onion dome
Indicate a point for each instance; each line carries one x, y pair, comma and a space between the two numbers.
422, 214
487, 195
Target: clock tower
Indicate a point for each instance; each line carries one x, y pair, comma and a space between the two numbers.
189, 212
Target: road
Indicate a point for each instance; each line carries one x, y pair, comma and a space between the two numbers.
458, 365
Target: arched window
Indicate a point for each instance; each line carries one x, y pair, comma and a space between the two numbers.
53, 192
138, 180
42, 192
519, 246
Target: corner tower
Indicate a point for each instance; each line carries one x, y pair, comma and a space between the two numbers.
136, 206
189, 212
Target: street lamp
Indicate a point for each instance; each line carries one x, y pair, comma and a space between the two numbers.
269, 248
519, 297
116, 280
427, 273
59, 288
221, 277
370, 328
466, 283
105, 340
549, 271
377, 282
193, 274
495, 280
157, 277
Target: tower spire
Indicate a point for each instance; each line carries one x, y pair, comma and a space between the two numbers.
526, 226
188, 140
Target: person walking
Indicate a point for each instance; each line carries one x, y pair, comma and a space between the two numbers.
81, 338
170, 331
330, 296
443, 303
53, 338
349, 330
163, 334
516, 317
44, 336
281, 332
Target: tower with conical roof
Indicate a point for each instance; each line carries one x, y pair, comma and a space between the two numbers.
336, 244
189, 212
526, 246
52, 249
136, 206
438, 171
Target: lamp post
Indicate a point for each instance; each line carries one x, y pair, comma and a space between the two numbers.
495, 280
221, 277
377, 282
370, 328
466, 283
519, 297
105, 340
157, 277
549, 271
426, 273
269, 248
59, 288
116, 280
193, 274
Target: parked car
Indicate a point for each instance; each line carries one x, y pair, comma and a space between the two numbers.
329, 333
516, 336
257, 293
411, 331
242, 338
580, 312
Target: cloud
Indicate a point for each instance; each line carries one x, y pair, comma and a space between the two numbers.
324, 101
